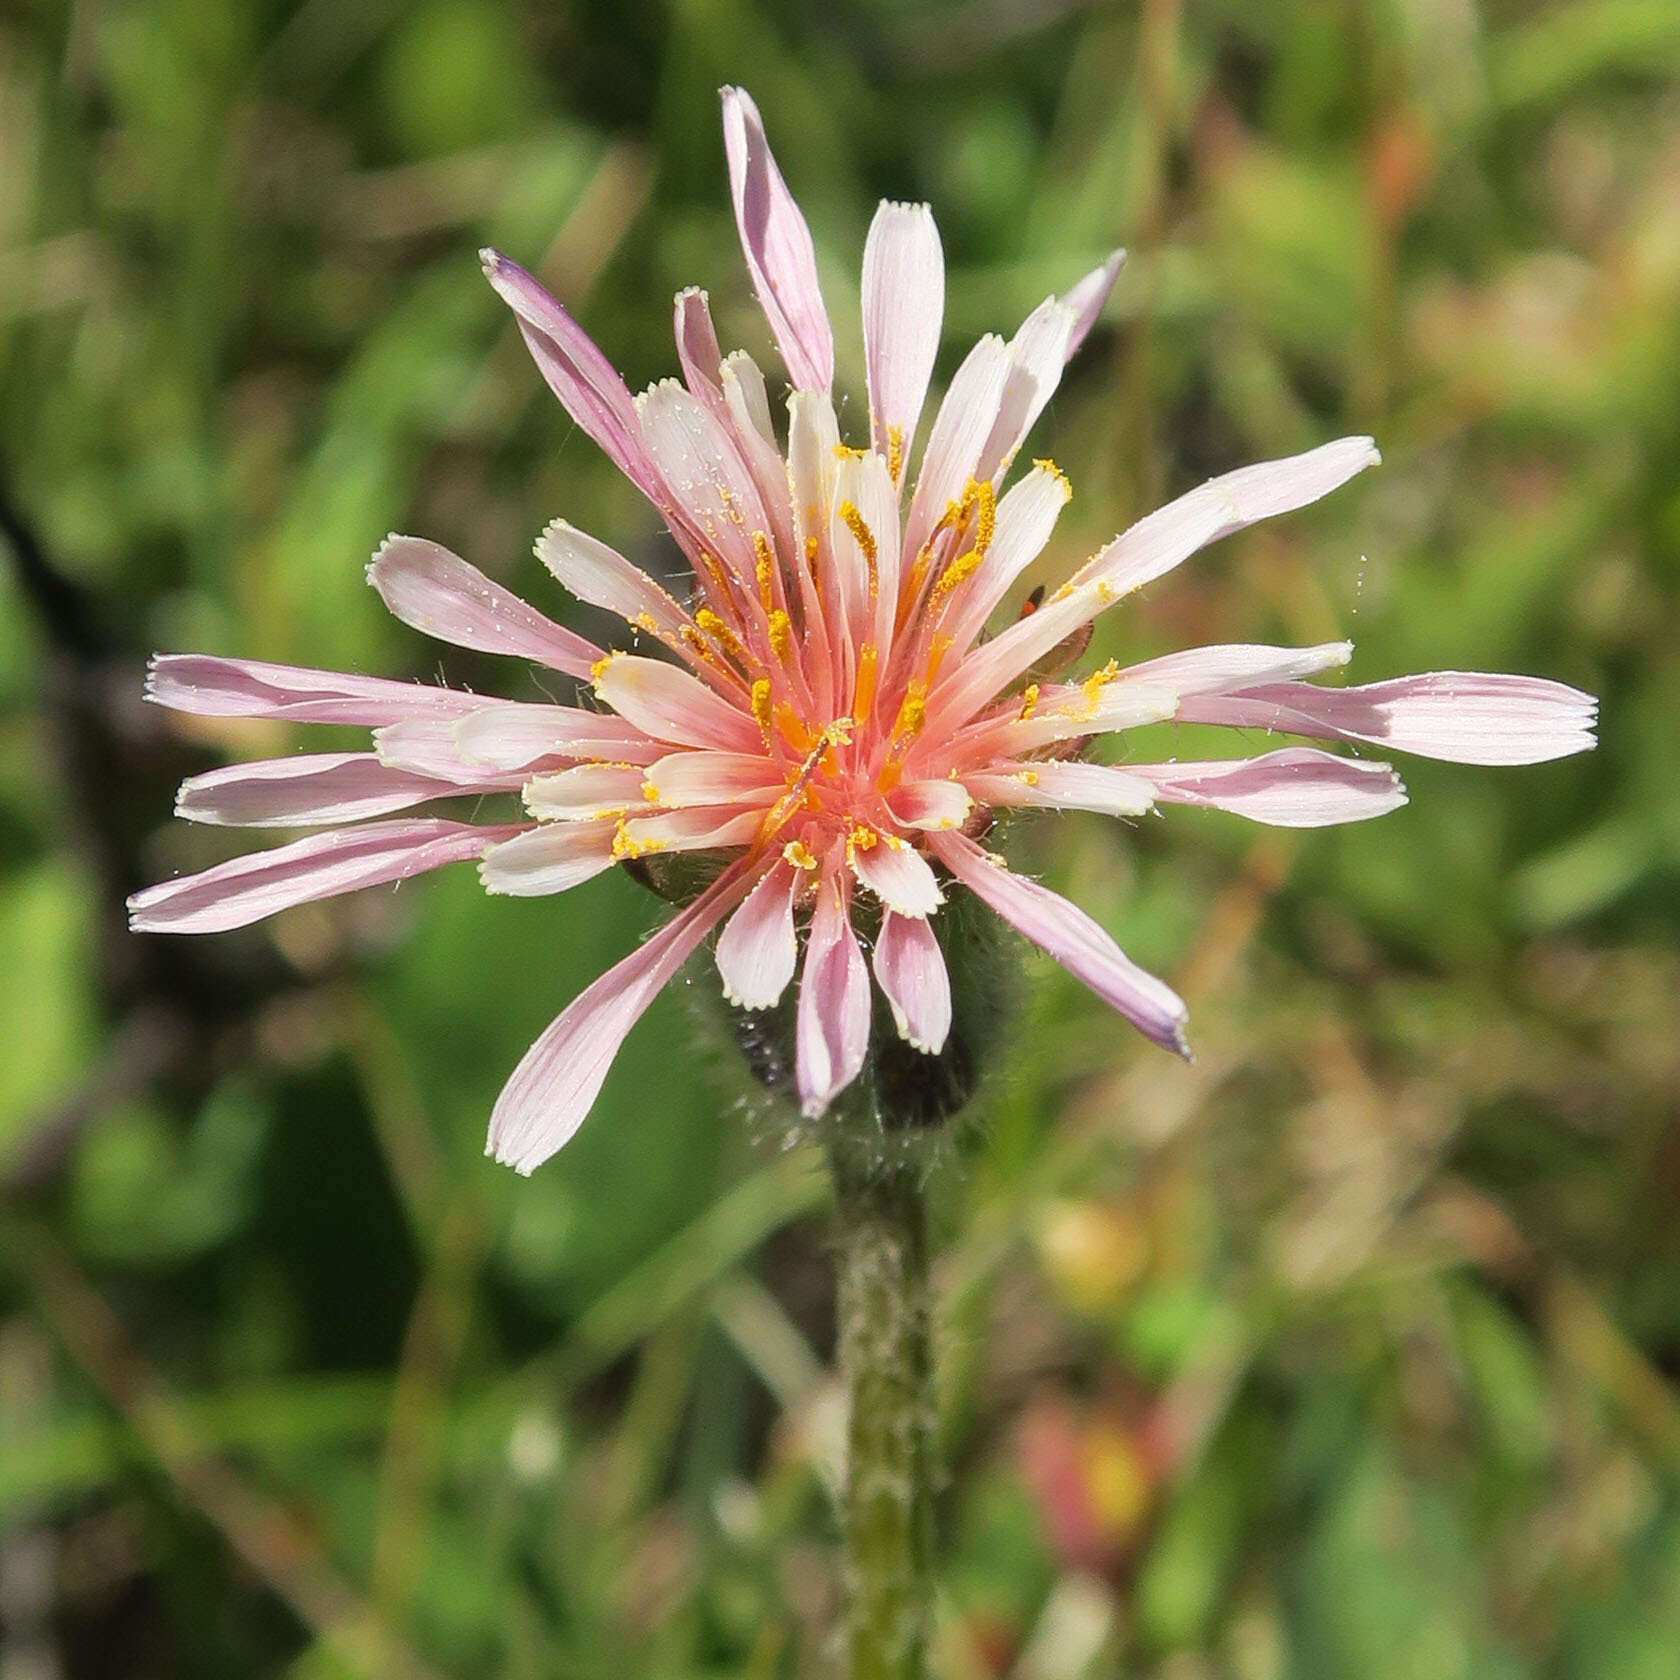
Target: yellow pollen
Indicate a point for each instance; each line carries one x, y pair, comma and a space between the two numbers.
721, 634
869, 658
623, 847
799, 855
1027, 778
865, 538
766, 569
1094, 684
845, 452
650, 793
861, 839
942, 645
895, 452
1045, 464
714, 570
959, 571
985, 515
812, 548
761, 705
646, 621
781, 634
912, 711
599, 668
1029, 701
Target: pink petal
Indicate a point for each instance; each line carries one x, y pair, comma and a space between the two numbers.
910, 970
704, 474
1223, 506
758, 948
604, 578
586, 383
670, 705
1087, 297
1026, 516
433, 590
896, 873
552, 1089
517, 735
302, 791
903, 309
209, 686
551, 858
1063, 787
246, 889
1466, 717
930, 804
831, 1032
747, 417
960, 430
1066, 933
1296, 788
1037, 354
584, 791
700, 828
712, 778
698, 352
1227, 666
777, 245
864, 491
1155, 545
1067, 715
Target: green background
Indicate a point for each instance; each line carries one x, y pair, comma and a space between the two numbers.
1348, 1352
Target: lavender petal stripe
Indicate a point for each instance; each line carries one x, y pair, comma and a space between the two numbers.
309, 789
209, 686
1465, 717
437, 592
777, 245
246, 889
1063, 931
1299, 787
588, 385
557, 1080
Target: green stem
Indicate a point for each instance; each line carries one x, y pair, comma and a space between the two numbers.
885, 1355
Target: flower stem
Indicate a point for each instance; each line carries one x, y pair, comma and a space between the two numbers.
886, 1358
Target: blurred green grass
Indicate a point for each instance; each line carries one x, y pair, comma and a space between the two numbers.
1349, 1351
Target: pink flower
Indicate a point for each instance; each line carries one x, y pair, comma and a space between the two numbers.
826, 711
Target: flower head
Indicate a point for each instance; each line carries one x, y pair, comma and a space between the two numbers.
825, 712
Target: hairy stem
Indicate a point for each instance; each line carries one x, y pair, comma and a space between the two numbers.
881, 1219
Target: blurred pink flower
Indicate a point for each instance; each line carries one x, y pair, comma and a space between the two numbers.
827, 710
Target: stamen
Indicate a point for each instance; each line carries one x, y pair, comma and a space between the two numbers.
912, 714
865, 538
761, 707
766, 569
792, 728
723, 636
869, 658
959, 571
895, 452
781, 634
799, 855
1029, 701
985, 514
